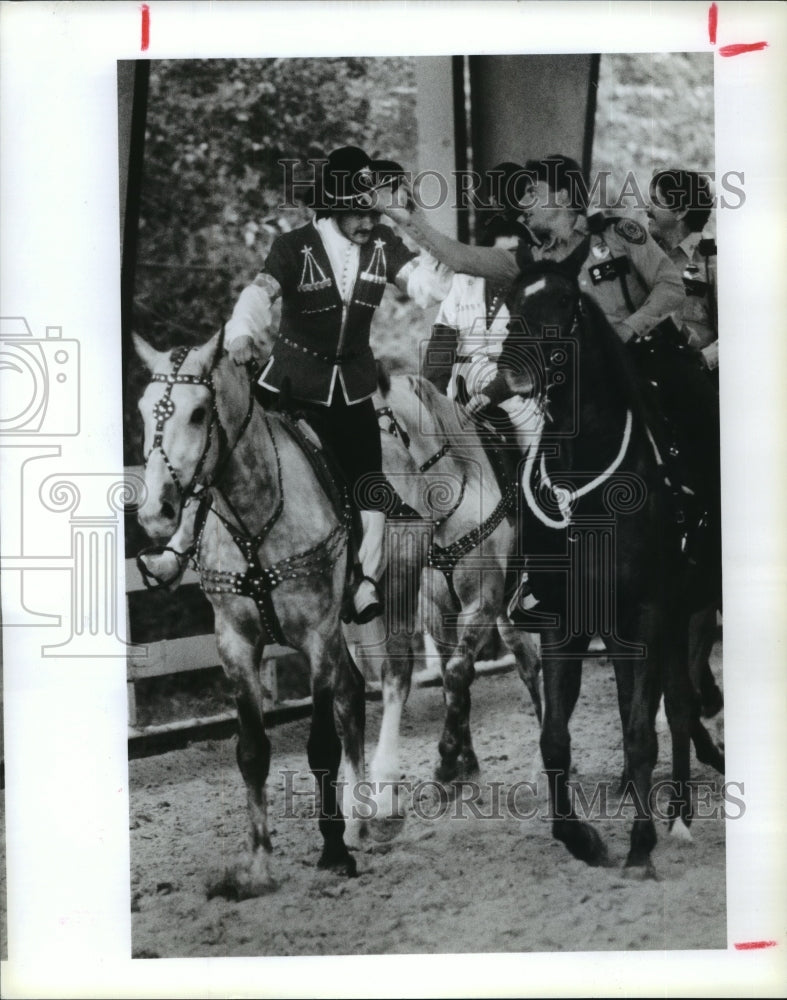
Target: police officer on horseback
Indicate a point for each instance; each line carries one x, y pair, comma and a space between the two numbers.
638, 288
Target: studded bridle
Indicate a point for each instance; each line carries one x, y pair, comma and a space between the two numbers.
164, 408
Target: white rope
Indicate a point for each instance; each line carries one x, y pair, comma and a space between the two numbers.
566, 497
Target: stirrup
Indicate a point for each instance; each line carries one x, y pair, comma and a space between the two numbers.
151, 581
523, 608
523, 598
372, 610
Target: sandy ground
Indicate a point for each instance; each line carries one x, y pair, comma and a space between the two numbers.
450, 884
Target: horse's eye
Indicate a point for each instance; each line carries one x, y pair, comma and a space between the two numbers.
198, 415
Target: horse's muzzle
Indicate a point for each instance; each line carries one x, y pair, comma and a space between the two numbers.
160, 516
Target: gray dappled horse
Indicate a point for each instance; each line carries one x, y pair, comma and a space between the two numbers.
450, 548
272, 556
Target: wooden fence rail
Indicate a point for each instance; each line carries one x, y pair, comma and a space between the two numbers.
167, 657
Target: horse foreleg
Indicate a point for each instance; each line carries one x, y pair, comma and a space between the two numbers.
458, 761
253, 754
350, 709
385, 769
682, 708
402, 590
526, 650
324, 752
624, 679
708, 699
562, 682
702, 637
640, 752
241, 658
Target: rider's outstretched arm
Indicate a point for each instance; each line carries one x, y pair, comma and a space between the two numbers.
493, 263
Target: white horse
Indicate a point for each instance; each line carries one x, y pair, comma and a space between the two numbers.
454, 555
272, 555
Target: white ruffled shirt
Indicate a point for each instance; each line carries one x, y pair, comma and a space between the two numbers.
424, 279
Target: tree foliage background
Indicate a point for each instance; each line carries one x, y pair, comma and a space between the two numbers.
212, 183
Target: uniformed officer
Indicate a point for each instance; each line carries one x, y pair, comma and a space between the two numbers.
678, 211
328, 277
624, 270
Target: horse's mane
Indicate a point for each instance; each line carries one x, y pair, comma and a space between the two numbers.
619, 365
450, 423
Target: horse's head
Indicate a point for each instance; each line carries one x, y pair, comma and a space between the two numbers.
181, 429
538, 350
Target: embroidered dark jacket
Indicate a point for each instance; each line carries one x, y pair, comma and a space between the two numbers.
314, 346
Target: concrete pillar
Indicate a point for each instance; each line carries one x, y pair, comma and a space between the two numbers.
437, 125
525, 107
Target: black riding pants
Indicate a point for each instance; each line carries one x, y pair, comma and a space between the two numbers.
350, 435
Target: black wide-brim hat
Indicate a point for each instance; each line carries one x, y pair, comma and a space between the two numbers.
387, 172
348, 180
507, 183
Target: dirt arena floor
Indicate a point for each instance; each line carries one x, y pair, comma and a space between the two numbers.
452, 881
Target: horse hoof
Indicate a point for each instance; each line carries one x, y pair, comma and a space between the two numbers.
241, 882
680, 831
446, 772
641, 872
583, 842
461, 770
384, 829
469, 768
339, 861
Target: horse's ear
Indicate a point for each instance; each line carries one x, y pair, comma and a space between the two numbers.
572, 264
219, 349
148, 355
383, 379
210, 353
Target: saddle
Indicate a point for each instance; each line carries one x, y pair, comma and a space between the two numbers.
328, 474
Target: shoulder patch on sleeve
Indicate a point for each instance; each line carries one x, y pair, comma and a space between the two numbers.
631, 231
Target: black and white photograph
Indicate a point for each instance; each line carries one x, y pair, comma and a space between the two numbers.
391, 500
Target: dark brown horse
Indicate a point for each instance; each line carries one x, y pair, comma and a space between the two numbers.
607, 552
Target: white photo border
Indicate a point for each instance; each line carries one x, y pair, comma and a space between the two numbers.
65, 721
